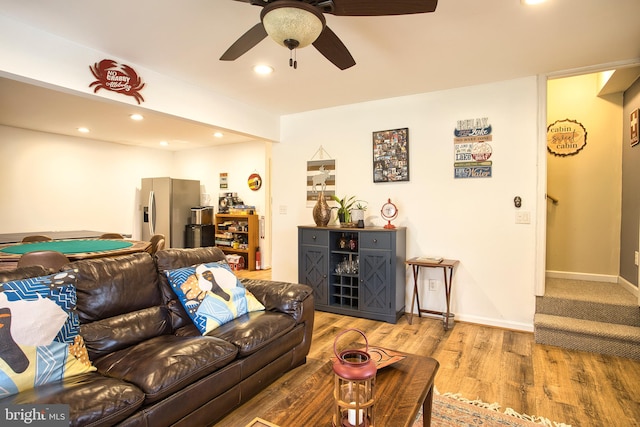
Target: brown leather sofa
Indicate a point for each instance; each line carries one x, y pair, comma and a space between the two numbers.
153, 367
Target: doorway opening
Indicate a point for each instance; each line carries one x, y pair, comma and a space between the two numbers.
582, 218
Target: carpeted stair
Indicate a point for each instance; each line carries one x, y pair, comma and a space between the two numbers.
588, 316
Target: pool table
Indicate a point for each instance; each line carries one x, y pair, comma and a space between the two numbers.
74, 249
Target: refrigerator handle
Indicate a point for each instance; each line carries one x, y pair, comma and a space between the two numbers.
152, 213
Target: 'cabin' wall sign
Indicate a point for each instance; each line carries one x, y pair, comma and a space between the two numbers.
566, 137
117, 78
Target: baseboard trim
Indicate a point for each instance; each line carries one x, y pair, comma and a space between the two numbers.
628, 286
483, 321
589, 277
516, 326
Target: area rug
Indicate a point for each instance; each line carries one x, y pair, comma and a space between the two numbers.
452, 410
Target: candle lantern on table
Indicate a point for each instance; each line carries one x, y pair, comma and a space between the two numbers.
353, 393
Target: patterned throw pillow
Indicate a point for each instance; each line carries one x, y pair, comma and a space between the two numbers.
211, 294
39, 333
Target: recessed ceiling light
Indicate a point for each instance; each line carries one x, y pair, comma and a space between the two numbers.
83, 130
263, 69
164, 143
530, 2
218, 134
136, 117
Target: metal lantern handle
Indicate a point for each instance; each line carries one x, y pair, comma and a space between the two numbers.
335, 342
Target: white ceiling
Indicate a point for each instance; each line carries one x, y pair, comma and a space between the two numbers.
464, 42
28, 106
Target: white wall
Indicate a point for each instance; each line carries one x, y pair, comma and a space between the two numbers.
239, 161
51, 182
472, 220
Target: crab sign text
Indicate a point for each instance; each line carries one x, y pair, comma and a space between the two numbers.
117, 78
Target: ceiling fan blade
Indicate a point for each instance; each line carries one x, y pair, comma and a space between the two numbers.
248, 40
333, 49
382, 7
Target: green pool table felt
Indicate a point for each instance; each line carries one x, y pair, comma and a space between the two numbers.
74, 246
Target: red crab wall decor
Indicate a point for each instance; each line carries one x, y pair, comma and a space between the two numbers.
116, 77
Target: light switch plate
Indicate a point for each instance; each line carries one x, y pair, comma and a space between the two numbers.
523, 217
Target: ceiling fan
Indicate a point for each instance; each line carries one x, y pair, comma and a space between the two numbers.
299, 23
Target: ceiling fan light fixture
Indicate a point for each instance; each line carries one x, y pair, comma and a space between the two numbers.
288, 22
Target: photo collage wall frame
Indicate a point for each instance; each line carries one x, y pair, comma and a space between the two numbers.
391, 155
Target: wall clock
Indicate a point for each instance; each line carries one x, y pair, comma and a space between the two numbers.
389, 212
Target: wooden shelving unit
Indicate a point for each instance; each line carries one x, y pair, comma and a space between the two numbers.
238, 234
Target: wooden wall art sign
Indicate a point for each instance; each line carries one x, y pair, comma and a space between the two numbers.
321, 177
116, 77
566, 137
472, 148
635, 131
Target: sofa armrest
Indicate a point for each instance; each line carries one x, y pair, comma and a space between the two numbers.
284, 297
293, 299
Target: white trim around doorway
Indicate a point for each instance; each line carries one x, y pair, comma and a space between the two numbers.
541, 211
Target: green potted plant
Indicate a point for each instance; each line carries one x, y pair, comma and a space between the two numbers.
344, 207
357, 213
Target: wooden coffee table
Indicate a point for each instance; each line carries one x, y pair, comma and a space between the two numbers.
293, 401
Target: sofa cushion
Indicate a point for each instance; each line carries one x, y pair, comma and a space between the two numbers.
253, 331
108, 287
94, 400
211, 294
162, 365
170, 259
39, 339
115, 333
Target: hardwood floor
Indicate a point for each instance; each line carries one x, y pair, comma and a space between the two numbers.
504, 366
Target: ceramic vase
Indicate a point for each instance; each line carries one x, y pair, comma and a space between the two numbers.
321, 211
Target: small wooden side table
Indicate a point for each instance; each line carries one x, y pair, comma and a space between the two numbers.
448, 266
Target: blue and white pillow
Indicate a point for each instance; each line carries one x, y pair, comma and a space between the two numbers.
39, 333
211, 294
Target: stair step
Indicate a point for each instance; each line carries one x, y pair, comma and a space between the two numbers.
598, 311
587, 335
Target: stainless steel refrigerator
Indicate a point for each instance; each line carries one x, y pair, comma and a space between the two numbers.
166, 208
